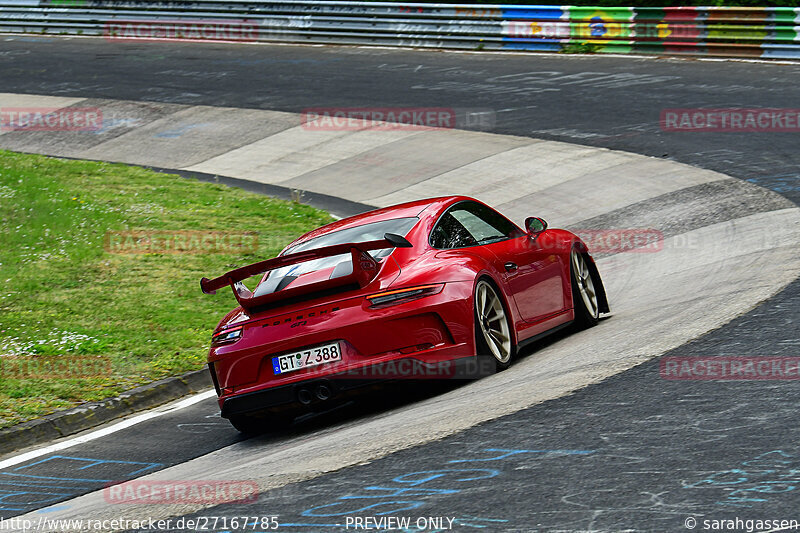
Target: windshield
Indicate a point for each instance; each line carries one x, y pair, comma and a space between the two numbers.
339, 265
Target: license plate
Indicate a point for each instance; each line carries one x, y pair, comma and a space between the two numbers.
318, 355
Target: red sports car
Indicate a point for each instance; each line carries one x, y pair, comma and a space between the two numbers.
439, 288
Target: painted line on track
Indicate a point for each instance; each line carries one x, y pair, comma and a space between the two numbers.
100, 433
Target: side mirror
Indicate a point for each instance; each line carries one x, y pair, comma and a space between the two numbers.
534, 226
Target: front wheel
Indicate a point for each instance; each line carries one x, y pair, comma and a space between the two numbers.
494, 343
584, 294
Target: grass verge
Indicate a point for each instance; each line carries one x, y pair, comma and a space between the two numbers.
68, 294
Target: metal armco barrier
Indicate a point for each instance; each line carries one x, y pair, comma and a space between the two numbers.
771, 32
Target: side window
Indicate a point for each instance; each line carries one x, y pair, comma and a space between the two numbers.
470, 224
450, 233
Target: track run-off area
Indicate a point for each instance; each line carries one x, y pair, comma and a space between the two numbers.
581, 433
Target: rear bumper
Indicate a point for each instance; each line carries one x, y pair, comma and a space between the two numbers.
434, 328
416, 340
339, 386
285, 397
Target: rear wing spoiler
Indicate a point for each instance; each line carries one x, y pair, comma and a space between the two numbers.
365, 268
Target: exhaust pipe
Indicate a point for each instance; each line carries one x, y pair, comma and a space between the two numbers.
304, 396
323, 392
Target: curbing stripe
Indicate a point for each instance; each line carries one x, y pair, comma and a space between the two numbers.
86, 416
339, 207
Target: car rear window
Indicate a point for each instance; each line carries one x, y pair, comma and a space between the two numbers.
280, 278
366, 232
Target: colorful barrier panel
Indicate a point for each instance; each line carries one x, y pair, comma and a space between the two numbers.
769, 32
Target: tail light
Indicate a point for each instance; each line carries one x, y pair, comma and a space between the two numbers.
387, 298
226, 336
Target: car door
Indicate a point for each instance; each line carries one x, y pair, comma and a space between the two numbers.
531, 274
537, 283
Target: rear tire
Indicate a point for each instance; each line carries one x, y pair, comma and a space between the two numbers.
584, 293
494, 343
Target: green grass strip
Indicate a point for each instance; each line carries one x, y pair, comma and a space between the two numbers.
66, 294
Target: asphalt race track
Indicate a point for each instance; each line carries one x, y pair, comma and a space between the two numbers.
601, 442
612, 102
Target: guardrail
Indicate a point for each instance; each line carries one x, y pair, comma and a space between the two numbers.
771, 32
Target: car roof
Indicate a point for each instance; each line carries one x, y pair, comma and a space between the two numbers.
419, 208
